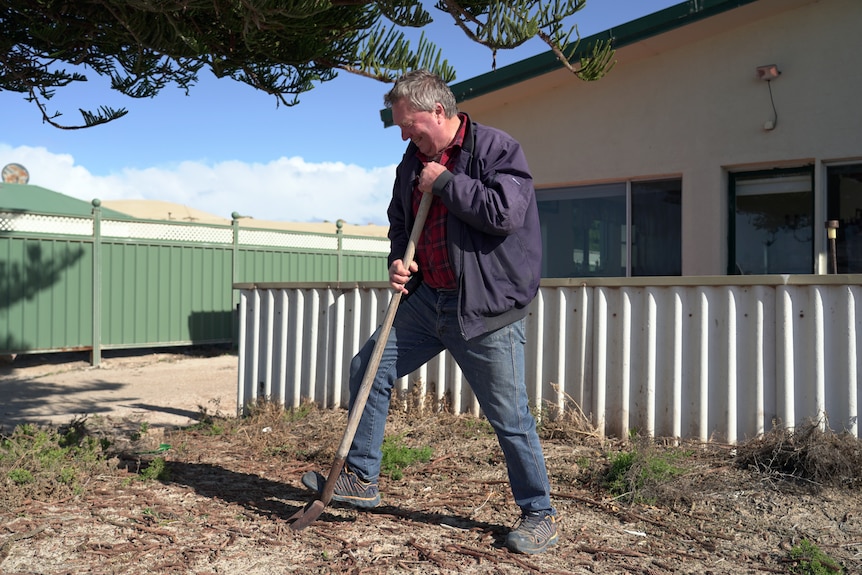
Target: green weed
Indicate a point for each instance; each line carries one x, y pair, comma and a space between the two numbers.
295, 414
37, 460
397, 456
617, 477
632, 474
810, 560
20, 476
156, 470
142, 431
67, 476
209, 426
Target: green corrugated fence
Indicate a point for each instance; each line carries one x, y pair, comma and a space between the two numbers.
88, 283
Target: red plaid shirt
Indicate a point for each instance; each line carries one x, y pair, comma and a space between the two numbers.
432, 250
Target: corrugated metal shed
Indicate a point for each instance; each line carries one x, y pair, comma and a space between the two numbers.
29, 198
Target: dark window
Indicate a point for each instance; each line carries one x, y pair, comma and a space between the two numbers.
772, 216
844, 204
657, 228
590, 231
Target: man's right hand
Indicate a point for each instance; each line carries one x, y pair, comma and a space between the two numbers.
400, 275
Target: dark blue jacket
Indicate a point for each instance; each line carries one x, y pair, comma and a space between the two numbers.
495, 242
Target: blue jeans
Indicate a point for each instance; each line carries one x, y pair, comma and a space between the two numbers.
493, 364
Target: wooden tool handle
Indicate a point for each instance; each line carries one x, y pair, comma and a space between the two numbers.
374, 362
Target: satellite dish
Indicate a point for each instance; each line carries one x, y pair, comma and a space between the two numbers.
15, 174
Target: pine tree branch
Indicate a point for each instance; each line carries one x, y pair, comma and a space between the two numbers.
281, 48
590, 68
90, 119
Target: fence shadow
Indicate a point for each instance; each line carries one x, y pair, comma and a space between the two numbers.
56, 388
46, 403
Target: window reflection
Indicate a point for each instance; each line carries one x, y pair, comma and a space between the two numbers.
657, 228
844, 204
586, 232
773, 222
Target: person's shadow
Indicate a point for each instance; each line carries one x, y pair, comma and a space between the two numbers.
275, 500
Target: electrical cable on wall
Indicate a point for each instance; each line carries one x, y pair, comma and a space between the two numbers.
772, 101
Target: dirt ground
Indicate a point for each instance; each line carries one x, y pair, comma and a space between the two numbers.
232, 485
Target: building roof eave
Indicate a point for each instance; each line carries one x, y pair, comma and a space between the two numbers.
626, 34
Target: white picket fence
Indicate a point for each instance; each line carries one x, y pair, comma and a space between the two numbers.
707, 358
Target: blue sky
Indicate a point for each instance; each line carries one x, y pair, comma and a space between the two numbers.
227, 147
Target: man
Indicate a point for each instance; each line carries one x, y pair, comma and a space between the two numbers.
478, 258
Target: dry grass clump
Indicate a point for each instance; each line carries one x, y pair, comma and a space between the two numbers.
565, 422
810, 455
303, 433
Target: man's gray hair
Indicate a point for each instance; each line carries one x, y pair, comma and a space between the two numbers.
423, 90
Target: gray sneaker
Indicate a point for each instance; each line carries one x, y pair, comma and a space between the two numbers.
536, 532
348, 488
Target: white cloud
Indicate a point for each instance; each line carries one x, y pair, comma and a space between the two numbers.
286, 189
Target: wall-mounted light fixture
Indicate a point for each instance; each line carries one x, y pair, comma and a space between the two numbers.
769, 72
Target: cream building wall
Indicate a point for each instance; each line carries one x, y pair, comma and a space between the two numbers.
687, 103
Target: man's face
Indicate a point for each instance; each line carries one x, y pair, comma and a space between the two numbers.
425, 129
